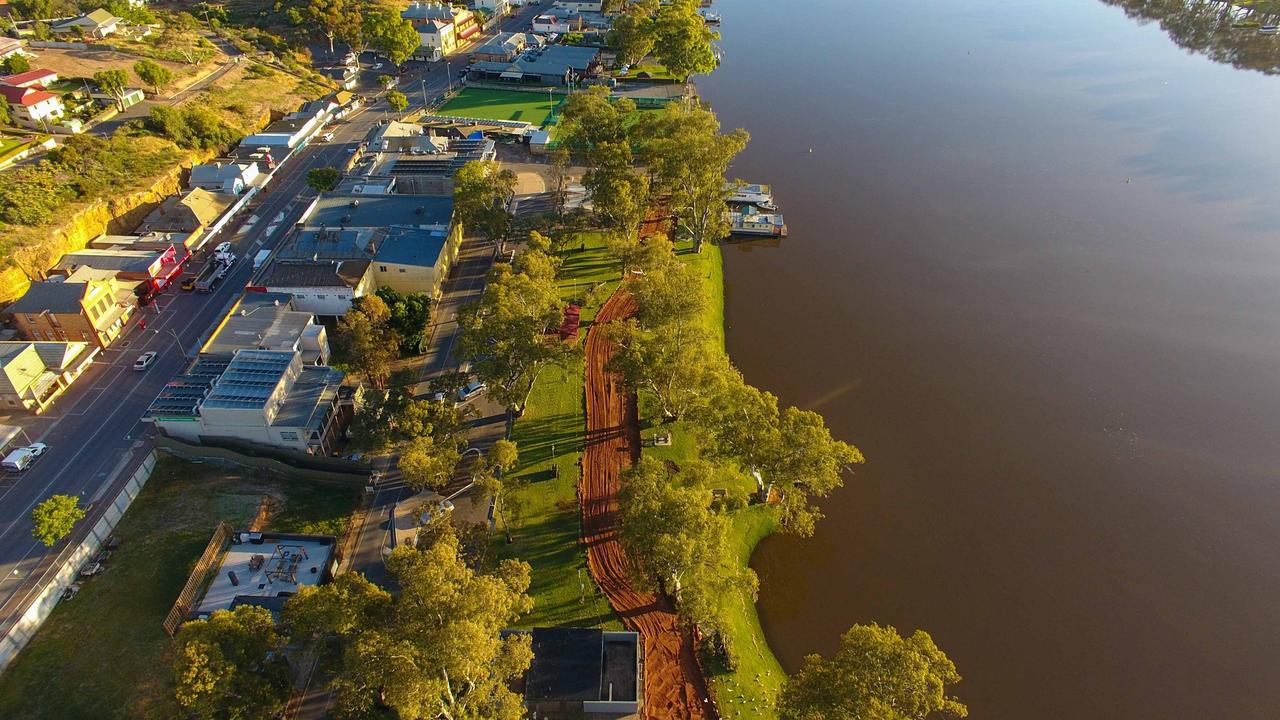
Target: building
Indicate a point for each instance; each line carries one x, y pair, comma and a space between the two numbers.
41, 78
10, 47
582, 672
496, 8
265, 569
228, 178
269, 321
127, 99
287, 133
94, 310
506, 47
554, 65
34, 374
442, 28
321, 287
579, 6
346, 76
410, 162
189, 214
97, 24
265, 397
32, 107
154, 269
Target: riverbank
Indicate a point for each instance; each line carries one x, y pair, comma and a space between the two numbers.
547, 529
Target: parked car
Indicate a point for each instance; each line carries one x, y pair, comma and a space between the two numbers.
223, 248
145, 360
470, 390
377, 66
327, 137
18, 460
37, 449
188, 283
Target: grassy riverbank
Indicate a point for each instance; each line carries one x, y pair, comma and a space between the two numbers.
548, 527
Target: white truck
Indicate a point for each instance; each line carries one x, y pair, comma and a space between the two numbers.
18, 460
261, 258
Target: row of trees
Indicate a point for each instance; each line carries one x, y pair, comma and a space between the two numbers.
674, 32
381, 328
432, 650
363, 25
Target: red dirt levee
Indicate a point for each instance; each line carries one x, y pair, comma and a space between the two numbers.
674, 688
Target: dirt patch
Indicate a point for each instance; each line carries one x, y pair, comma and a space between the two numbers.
84, 63
674, 687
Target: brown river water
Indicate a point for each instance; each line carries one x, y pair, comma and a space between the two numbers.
1034, 273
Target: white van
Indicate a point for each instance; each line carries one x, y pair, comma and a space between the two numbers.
18, 460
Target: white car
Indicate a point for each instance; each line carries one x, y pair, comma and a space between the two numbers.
145, 360
327, 137
470, 390
37, 449
223, 248
377, 66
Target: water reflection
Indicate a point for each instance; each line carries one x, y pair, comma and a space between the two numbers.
1224, 32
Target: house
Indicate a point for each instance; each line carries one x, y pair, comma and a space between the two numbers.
346, 76
321, 287
579, 6
223, 177
556, 65
41, 79
97, 24
155, 269
265, 397
269, 321
10, 47
581, 672
32, 107
93, 310
506, 47
190, 214
284, 134
34, 374
494, 7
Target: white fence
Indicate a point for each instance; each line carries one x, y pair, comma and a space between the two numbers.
41, 599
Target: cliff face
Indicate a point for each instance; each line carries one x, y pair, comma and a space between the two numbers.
119, 214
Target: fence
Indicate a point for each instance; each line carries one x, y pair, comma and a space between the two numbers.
199, 576
338, 471
32, 607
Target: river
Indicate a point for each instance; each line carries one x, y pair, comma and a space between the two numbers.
1034, 274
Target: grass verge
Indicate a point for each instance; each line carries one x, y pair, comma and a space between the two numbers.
103, 654
550, 434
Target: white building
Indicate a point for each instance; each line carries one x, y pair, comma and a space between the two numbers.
223, 177
325, 288
579, 6
32, 107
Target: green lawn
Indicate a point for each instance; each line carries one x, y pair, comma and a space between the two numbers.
104, 654
651, 71
551, 433
483, 104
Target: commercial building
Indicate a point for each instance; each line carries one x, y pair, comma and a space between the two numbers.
286, 133
156, 269
412, 163
442, 28
34, 374
506, 47
579, 6
266, 397
93, 310
553, 65
349, 245
269, 321
579, 672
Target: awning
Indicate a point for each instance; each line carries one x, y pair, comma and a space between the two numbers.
511, 75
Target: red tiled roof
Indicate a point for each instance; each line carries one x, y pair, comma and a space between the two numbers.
28, 77
25, 97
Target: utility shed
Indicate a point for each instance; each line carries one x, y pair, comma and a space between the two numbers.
580, 672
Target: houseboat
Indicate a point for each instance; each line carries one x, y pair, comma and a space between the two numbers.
755, 194
750, 222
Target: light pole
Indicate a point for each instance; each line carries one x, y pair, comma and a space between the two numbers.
176, 341
448, 74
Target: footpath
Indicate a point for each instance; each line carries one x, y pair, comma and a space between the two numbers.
674, 688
